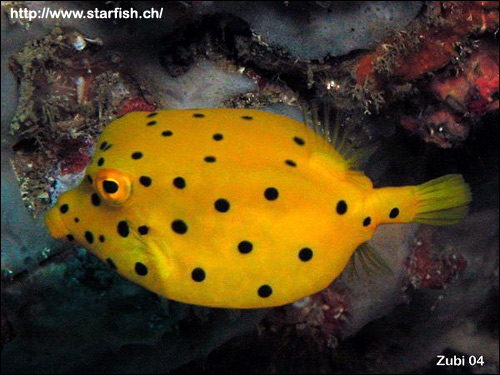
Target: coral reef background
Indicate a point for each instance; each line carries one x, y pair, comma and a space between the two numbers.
415, 82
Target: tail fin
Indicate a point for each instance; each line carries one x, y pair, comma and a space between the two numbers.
442, 201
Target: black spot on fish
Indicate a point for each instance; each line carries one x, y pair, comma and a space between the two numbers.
100, 162
247, 117
151, 123
89, 237
70, 237
179, 183
103, 145
143, 229
109, 186
167, 133
64, 208
341, 207
221, 205
179, 226
89, 179
299, 141
101, 238
291, 163
367, 221
305, 254
271, 194
137, 155
394, 213
210, 159
111, 264
152, 114
77, 220
94, 198
217, 137
141, 269
123, 229
245, 247
198, 115
265, 291
145, 180
198, 274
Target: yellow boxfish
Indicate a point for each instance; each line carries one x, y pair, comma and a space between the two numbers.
233, 208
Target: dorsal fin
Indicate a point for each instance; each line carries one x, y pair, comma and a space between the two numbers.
335, 152
339, 137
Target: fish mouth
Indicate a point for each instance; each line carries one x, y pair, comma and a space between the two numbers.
55, 224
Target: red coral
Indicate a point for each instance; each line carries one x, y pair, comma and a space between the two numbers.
475, 88
135, 104
430, 43
427, 267
75, 162
75, 156
464, 96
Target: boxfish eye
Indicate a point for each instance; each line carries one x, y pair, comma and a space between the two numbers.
113, 186
110, 186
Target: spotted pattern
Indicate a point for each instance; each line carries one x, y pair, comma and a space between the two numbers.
145, 181
299, 141
141, 269
244, 247
394, 213
94, 198
179, 183
198, 274
305, 254
89, 236
271, 194
105, 146
341, 207
179, 226
265, 291
123, 229
222, 205
210, 159
137, 155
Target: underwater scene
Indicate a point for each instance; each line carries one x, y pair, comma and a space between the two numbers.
243, 187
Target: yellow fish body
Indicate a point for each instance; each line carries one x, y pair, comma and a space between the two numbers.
233, 208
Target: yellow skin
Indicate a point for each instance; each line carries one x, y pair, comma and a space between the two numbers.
300, 239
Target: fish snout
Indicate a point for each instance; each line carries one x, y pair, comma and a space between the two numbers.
54, 222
